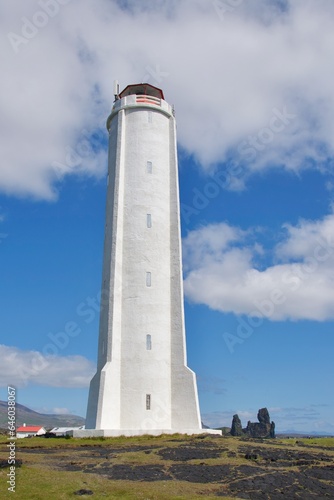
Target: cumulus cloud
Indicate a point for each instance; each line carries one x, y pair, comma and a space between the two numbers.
254, 81
222, 271
60, 411
200, 245
21, 368
52, 411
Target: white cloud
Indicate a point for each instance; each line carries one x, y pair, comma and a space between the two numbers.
60, 411
222, 272
21, 368
228, 79
304, 238
210, 240
52, 411
218, 418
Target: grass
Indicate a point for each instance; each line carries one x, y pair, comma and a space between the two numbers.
34, 483
326, 442
145, 440
40, 477
37, 480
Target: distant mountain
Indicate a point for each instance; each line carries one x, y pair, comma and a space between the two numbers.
30, 417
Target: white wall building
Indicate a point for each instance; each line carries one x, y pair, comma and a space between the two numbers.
30, 431
62, 431
142, 384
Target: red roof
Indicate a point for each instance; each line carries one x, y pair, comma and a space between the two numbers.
29, 428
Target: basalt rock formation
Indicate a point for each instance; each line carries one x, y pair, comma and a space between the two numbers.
236, 429
261, 429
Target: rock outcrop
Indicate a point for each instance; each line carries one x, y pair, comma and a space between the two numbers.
236, 429
261, 429
263, 416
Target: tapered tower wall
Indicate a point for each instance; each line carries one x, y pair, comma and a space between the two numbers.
142, 381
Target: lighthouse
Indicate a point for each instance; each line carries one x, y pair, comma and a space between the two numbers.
142, 384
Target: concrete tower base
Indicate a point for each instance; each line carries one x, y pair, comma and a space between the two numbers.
89, 433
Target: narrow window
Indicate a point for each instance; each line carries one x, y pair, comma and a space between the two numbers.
148, 279
149, 116
108, 180
103, 347
148, 401
148, 342
149, 220
149, 167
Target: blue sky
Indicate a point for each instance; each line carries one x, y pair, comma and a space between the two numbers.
254, 109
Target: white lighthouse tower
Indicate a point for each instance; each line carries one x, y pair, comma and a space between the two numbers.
142, 384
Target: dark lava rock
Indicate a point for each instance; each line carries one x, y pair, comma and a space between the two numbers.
133, 473
263, 416
326, 473
83, 492
236, 428
285, 457
251, 456
184, 453
285, 485
261, 429
272, 430
249, 470
200, 473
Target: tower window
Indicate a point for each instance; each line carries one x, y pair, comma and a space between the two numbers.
148, 401
148, 279
149, 220
149, 167
148, 342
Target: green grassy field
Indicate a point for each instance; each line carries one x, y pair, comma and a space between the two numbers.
43, 472
326, 442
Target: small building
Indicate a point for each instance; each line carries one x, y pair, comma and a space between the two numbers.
29, 431
62, 431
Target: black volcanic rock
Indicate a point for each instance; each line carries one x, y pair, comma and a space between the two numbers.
257, 430
272, 430
236, 428
261, 429
263, 416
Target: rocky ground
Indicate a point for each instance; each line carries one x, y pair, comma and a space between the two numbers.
238, 467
